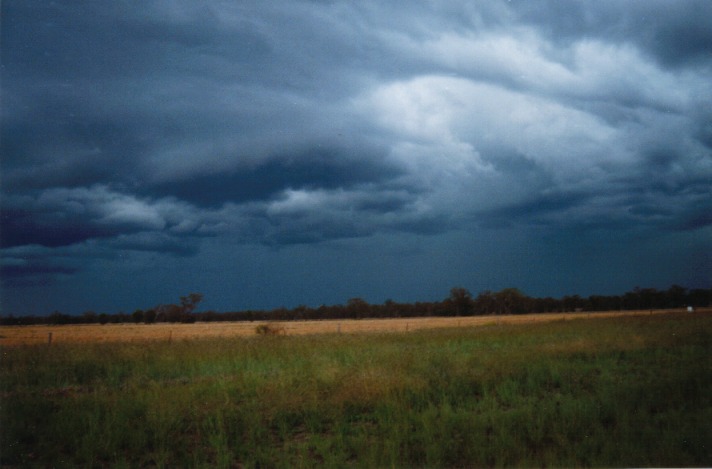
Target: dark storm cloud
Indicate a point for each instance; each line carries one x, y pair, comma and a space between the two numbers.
676, 33
309, 215
62, 217
33, 274
33, 265
148, 130
156, 242
316, 168
534, 210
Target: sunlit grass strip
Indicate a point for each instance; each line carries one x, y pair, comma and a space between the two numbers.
168, 332
605, 392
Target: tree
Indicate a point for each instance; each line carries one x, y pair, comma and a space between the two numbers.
179, 313
169, 313
357, 308
676, 296
511, 301
149, 316
137, 316
190, 302
572, 302
486, 303
461, 301
58, 318
89, 317
390, 308
700, 297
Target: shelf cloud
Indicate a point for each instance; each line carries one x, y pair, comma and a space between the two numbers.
258, 151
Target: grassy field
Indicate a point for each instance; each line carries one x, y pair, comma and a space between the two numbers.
615, 391
90, 333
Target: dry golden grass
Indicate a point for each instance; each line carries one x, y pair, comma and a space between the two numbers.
86, 333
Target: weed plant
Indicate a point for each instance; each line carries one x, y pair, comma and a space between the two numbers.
634, 391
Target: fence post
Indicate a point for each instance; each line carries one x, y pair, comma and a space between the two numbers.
49, 338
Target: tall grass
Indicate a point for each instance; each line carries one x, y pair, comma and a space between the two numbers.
600, 392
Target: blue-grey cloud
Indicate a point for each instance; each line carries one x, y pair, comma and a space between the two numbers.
675, 33
129, 133
33, 274
61, 217
315, 168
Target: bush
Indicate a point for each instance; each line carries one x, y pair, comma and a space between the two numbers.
269, 329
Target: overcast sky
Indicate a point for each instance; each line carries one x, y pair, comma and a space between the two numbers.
293, 152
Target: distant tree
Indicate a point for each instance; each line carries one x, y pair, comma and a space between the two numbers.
149, 316
137, 316
511, 301
10, 320
58, 318
89, 317
322, 312
649, 298
169, 313
630, 300
357, 308
572, 302
544, 305
486, 303
676, 296
280, 314
700, 297
182, 312
390, 308
190, 302
461, 301
210, 316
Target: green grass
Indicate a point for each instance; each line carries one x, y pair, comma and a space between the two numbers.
590, 392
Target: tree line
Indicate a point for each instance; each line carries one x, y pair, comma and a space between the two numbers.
460, 302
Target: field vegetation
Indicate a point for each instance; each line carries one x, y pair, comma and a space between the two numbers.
615, 391
167, 332
460, 303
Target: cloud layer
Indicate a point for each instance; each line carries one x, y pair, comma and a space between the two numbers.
181, 128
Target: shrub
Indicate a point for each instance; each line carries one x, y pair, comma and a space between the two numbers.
269, 329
